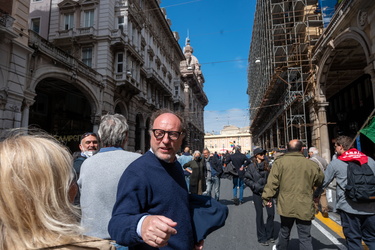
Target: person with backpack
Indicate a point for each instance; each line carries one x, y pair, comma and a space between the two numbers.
357, 214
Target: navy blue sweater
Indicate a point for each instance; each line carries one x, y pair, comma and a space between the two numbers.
154, 187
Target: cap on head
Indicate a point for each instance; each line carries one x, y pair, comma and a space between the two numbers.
258, 151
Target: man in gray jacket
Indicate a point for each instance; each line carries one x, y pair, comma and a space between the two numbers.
322, 163
357, 219
101, 173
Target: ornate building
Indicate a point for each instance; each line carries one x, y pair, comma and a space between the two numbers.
311, 72
96, 57
229, 137
195, 98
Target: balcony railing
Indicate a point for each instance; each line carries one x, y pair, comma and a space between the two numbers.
6, 20
47, 48
86, 31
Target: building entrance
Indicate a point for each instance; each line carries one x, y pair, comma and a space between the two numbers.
349, 109
62, 110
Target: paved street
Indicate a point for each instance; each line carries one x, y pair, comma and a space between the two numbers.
239, 231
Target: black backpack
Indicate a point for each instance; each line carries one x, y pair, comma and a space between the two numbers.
360, 185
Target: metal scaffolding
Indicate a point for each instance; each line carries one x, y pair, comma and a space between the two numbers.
280, 68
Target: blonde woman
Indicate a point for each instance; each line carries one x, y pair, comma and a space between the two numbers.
36, 190
196, 168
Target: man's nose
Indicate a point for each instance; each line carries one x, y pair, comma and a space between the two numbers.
166, 138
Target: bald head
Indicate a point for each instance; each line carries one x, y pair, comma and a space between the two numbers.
295, 146
186, 150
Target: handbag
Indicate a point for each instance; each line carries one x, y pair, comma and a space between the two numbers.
231, 169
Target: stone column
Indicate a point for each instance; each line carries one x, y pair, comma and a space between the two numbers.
277, 133
272, 145
95, 120
371, 71
142, 146
26, 112
323, 131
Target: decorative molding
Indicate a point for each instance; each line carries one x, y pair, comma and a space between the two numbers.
362, 19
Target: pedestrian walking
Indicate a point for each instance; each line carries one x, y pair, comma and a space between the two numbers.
293, 178
239, 160
357, 218
256, 178
214, 170
197, 171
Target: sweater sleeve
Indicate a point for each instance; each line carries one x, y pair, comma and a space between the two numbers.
128, 209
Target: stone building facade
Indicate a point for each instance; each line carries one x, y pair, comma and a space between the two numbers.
229, 137
97, 57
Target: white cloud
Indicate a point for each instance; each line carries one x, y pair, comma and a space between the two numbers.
215, 120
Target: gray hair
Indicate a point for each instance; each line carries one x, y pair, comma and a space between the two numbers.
314, 150
344, 141
196, 152
237, 148
113, 130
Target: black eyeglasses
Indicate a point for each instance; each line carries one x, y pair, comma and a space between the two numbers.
88, 134
172, 135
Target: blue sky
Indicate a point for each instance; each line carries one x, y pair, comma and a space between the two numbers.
220, 33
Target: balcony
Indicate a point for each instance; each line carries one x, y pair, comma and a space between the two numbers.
46, 48
126, 80
6, 24
152, 74
86, 31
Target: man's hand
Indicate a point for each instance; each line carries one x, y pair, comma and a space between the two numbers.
199, 245
267, 203
156, 230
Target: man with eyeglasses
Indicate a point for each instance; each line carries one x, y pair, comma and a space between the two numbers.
152, 206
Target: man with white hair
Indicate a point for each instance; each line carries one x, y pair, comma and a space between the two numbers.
314, 156
101, 173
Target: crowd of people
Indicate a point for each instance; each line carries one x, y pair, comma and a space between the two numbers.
129, 200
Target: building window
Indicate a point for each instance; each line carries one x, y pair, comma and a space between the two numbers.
176, 90
120, 62
87, 56
35, 1
89, 18
121, 22
68, 21
35, 25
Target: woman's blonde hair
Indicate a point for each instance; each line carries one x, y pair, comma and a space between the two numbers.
35, 177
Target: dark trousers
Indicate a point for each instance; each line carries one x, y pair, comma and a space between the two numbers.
357, 227
264, 231
303, 228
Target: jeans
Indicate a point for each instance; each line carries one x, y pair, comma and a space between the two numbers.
213, 182
187, 180
264, 230
357, 227
238, 184
304, 235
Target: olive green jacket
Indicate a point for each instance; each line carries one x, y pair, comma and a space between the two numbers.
292, 179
